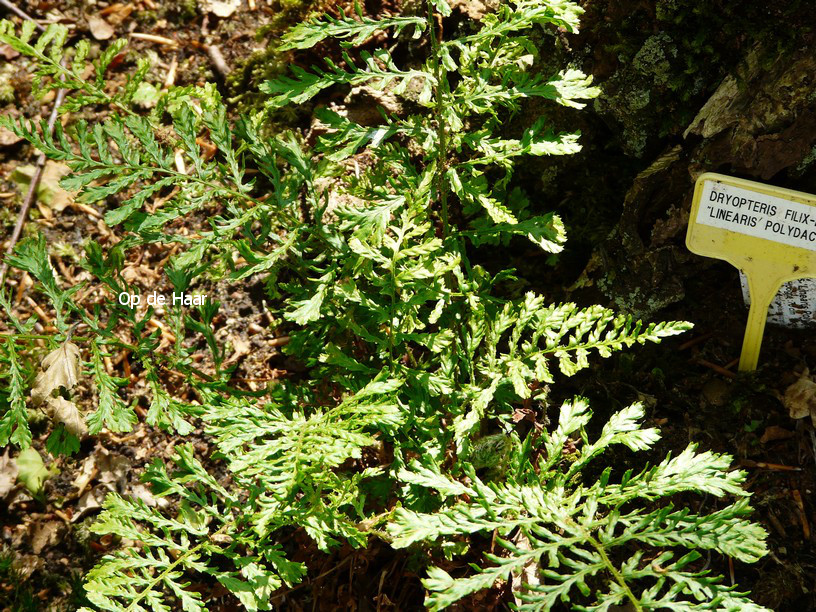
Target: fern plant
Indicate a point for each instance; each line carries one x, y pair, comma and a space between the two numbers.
586, 541
408, 343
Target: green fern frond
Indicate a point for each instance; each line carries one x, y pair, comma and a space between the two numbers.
112, 412
14, 427
307, 34
365, 243
574, 531
203, 539
379, 71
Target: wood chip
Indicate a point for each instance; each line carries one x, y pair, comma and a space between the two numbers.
88, 210
117, 13
797, 497
100, 29
8, 138
179, 159
220, 8
170, 79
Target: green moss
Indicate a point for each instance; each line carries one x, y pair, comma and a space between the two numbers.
185, 9
633, 94
489, 454
549, 176
806, 162
268, 63
653, 58
7, 215
678, 53
624, 98
666, 10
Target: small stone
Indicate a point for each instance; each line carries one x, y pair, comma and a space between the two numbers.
716, 392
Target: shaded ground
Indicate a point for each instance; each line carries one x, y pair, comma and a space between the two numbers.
659, 64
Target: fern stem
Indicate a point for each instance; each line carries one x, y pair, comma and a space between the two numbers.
392, 314
614, 571
442, 157
65, 73
182, 557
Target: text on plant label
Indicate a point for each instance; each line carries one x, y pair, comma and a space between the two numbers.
757, 214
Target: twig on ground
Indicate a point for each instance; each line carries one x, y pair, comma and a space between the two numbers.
731, 363
220, 64
20, 13
695, 341
717, 368
39, 311
762, 465
777, 525
800, 505
31, 196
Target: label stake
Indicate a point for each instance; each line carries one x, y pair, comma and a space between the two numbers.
767, 232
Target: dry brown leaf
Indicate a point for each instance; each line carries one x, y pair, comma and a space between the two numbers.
774, 432
113, 470
800, 398
100, 29
57, 198
60, 369
8, 474
240, 347
51, 197
528, 576
92, 500
8, 52
27, 564
475, 9
139, 491
86, 474
45, 534
67, 413
115, 14
221, 8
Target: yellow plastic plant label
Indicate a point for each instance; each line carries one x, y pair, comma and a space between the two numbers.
767, 232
